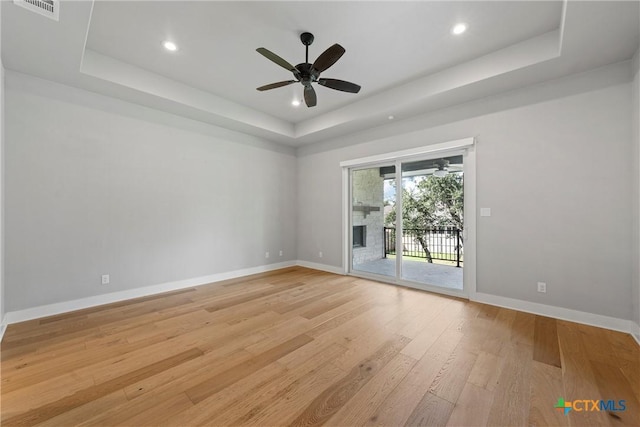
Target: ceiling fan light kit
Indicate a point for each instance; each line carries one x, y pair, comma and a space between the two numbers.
307, 73
440, 173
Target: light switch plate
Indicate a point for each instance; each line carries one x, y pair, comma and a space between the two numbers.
485, 211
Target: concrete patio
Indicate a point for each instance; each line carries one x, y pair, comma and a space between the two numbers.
416, 271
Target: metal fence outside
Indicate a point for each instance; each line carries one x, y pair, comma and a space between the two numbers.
439, 243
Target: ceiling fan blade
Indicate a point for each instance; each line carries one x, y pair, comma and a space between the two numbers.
275, 58
275, 85
340, 85
328, 58
310, 96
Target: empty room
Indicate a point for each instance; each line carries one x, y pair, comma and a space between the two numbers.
345, 213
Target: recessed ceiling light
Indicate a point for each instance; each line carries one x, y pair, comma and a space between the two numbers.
295, 102
459, 28
391, 117
170, 46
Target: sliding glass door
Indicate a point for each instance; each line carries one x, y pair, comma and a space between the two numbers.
409, 227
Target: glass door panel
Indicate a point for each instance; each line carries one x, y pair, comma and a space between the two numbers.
431, 232
373, 194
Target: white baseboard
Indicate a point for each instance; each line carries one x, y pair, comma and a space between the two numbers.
3, 327
321, 267
561, 313
79, 304
636, 332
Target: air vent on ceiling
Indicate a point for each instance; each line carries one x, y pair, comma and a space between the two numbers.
48, 8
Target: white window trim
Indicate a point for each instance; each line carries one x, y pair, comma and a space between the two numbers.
412, 152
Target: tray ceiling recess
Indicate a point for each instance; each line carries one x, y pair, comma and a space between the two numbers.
406, 56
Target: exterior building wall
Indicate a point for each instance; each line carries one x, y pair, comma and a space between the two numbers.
368, 191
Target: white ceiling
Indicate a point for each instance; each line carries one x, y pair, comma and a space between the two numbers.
401, 53
387, 43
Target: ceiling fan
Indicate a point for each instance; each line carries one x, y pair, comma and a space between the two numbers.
443, 167
307, 73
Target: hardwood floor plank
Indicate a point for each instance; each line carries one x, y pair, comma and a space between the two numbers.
476, 331
399, 405
613, 386
80, 414
453, 375
242, 391
84, 313
486, 371
472, 407
446, 343
424, 317
250, 296
258, 403
498, 338
488, 312
424, 341
545, 342
143, 395
340, 320
431, 411
363, 405
109, 357
49, 391
329, 303
511, 402
290, 400
332, 399
286, 307
546, 386
631, 370
153, 416
82, 397
577, 375
212, 385
523, 328
52, 331
624, 346
189, 373
358, 348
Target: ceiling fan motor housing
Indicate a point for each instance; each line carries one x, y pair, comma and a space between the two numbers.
307, 74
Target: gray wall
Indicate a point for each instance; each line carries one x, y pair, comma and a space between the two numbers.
635, 194
99, 186
557, 177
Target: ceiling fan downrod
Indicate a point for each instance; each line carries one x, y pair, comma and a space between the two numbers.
306, 39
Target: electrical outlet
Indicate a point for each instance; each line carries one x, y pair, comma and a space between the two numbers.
542, 287
266, 254
105, 279
320, 254
280, 253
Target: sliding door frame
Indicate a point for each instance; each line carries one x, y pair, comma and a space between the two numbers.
465, 147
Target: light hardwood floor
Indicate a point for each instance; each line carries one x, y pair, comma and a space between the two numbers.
303, 347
